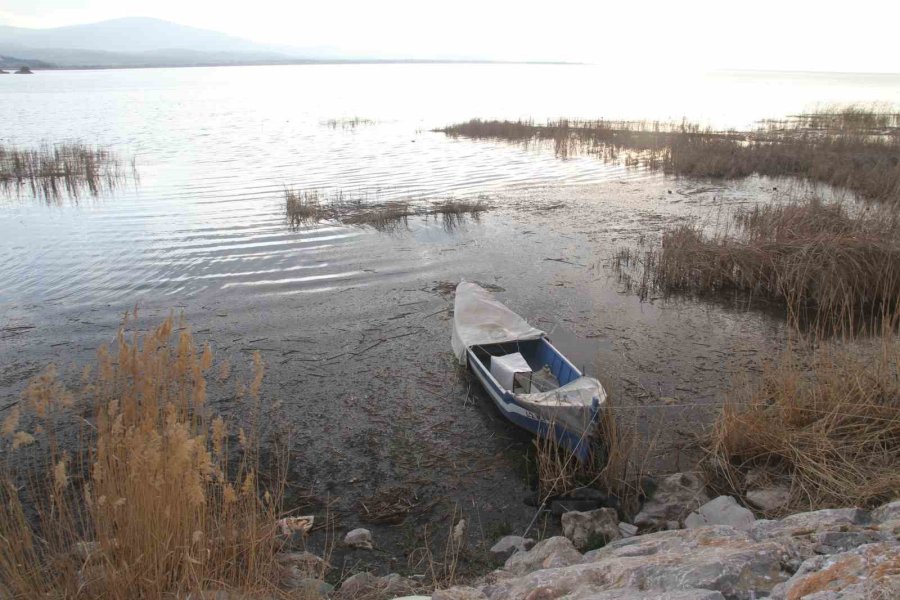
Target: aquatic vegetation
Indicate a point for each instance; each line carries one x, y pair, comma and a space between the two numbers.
52, 172
348, 122
852, 147
304, 208
827, 428
151, 494
821, 260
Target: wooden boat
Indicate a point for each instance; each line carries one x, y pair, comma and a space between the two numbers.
528, 378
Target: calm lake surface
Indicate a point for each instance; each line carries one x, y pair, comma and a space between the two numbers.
354, 323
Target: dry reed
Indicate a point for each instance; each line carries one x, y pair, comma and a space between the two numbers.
62, 170
307, 207
152, 496
828, 265
829, 430
617, 464
852, 147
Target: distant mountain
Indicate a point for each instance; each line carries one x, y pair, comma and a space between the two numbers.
143, 42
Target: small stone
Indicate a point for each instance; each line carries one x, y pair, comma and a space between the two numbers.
592, 528
358, 584
627, 529
298, 568
510, 544
672, 500
459, 593
771, 499
547, 554
359, 538
723, 510
459, 532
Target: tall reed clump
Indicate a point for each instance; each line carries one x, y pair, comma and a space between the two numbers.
152, 496
51, 172
616, 465
829, 430
819, 259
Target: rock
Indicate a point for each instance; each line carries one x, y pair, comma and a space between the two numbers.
627, 529
547, 554
297, 568
723, 510
510, 544
674, 498
716, 559
807, 523
23, 71
887, 512
869, 571
588, 530
358, 585
395, 584
459, 532
359, 538
588, 593
771, 499
371, 587
459, 593
312, 588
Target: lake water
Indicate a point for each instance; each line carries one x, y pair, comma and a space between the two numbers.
353, 323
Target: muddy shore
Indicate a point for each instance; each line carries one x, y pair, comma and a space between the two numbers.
364, 373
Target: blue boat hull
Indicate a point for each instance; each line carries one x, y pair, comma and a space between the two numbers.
575, 442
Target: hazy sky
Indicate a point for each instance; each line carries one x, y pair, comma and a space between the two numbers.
756, 34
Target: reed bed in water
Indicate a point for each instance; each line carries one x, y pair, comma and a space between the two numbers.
152, 496
828, 430
822, 261
311, 206
853, 147
52, 172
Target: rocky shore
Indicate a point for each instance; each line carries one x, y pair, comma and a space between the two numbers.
706, 549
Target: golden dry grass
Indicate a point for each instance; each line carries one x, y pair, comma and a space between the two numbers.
152, 496
828, 427
617, 464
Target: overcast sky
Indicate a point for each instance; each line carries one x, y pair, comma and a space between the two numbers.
755, 34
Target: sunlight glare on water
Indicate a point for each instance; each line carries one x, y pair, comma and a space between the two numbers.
216, 147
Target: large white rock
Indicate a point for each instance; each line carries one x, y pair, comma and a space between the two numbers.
597, 527
871, 571
718, 558
723, 510
674, 498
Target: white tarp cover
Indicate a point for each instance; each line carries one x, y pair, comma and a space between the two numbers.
504, 368
569, 405
480, 319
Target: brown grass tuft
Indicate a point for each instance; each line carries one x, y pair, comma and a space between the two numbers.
830, 429
149, 500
